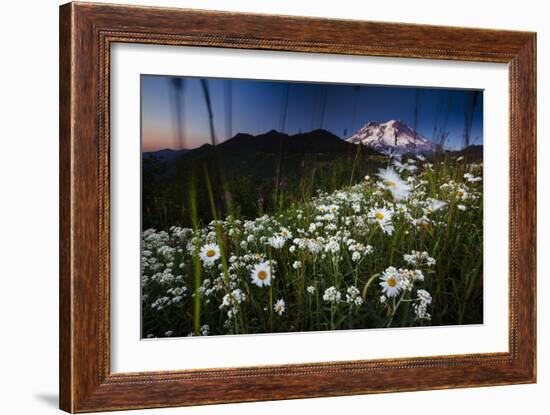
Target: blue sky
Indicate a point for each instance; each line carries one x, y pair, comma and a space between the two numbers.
254, 107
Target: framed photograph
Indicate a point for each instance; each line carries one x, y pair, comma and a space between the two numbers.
258, 207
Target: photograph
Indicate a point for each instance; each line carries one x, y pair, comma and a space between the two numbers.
278, 206
275, 207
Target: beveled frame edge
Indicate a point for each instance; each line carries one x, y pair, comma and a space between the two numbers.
86, 33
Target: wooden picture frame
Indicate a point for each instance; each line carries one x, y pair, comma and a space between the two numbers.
86, 33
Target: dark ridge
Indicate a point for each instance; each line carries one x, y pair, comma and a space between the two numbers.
471, 153
164, 154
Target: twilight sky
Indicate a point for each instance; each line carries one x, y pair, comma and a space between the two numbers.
254, 107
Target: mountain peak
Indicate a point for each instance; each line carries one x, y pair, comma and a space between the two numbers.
274, 133
392, 135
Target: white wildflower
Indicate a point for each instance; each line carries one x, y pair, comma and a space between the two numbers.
205, 330
332, 295
434, 206
276, 241
233, 298
390, 282
209, 254
262, 273
279, 307
285, 233
421, 307
392, 181
418, 258
332, 246
353, 296
383, 217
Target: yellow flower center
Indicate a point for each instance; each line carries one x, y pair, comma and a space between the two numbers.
391, 184
460, 193
262, 275
210, 253
392, 282
379, 215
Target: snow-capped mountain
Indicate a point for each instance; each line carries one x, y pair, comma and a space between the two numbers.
393, 135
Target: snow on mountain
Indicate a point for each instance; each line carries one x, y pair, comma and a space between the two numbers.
393, 135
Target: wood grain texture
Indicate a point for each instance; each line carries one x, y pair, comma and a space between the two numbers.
86, 33
65, 247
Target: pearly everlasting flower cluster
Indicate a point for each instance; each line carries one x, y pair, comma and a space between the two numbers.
353, 296
332, 295
418, 259
231, 301
424, 299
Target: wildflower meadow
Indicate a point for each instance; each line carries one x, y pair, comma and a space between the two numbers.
401, 247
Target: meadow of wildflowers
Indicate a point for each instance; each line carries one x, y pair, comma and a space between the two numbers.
400, 248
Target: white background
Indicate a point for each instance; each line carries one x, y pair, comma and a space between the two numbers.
28, 208
129, 354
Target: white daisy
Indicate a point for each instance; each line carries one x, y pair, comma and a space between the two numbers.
280, 307
423, 221
390, 282
461, 194
262, 273
392, 181
383, 217
434, 206
209, 254
392, 153
401, 167
411, 168
285, 233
